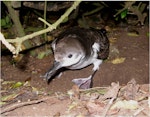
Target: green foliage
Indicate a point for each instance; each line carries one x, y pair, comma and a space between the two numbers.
134, 8
41, 55
123, 14
17, 84
6, 22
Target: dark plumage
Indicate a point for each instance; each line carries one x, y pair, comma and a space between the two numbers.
87, 38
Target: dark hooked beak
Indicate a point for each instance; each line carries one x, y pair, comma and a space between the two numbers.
52, 70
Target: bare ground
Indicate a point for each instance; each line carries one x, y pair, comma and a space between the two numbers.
135, 50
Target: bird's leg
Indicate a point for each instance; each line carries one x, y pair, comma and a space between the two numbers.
85, 83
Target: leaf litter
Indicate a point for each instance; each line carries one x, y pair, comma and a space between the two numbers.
128, 100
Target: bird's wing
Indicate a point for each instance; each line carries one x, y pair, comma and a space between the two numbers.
53, 44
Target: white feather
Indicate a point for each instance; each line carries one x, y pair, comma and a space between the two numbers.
96, 46
53, 44
96, 64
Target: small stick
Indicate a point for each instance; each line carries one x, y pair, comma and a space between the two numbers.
108, 106
94, 88
137, 112
44, 21
115, 88
14, 106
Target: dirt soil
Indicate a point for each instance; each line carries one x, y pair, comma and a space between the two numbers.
54, 98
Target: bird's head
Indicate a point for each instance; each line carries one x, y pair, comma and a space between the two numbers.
68, 53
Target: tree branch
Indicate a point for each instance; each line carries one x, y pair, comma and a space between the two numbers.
8, 45
20, 40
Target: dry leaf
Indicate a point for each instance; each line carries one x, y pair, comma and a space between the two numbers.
133, 33
73, 105
8, 82
80, 115
9, 97
118, 60
50, 38
41, 55
2, 103
74, 92
131, 90
112, 92
131, 104
112, 40
95, 108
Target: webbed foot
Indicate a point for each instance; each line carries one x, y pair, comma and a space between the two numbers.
83, 83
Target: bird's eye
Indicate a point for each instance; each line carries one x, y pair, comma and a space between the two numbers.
70, 55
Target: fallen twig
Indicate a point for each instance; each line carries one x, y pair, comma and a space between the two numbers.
113, 92
14, 106
108, 106
137, 112
94, 88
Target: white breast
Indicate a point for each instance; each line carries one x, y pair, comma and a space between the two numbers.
91, 60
